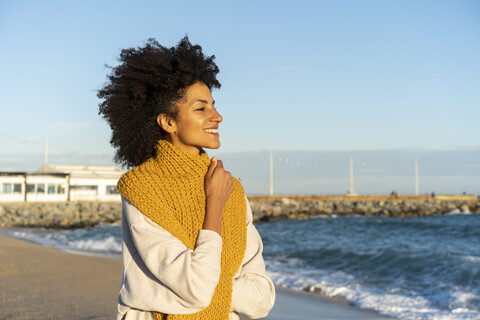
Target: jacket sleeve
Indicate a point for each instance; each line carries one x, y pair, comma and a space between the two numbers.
160, 273
253, 291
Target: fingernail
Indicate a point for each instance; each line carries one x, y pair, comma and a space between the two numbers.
214, 159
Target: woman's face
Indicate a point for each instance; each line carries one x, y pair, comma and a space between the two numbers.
197, 121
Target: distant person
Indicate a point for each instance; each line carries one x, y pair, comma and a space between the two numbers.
190, 249
433, 194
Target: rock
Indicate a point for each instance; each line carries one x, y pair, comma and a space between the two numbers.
257, 215
110, 217
84, 213
450, 206
360, 208
277, 210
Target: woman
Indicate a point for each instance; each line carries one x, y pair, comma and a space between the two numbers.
190, 250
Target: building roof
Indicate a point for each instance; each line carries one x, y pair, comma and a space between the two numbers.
80, 171
6, 173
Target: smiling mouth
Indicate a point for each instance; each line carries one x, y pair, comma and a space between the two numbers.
211, 130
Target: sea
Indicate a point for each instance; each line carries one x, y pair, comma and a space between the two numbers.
406, 268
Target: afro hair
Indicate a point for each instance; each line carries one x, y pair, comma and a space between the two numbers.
149, 81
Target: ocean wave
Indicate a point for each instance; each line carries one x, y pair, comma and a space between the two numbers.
418, 268
396, 302
475, 259
458, 212
109, 244
104, 239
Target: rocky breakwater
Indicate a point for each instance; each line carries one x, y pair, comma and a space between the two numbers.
59, 215
301, 207
83, 214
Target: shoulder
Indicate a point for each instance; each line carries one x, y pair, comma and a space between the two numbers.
132, 214
238, 185
135, 175
142, 182
249, 212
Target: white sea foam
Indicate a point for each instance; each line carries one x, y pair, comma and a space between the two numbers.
72, 240
35, 237
291, 273
472, 259
458, 212
454, 211
104, 245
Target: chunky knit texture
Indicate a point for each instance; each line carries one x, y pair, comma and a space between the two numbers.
169, 189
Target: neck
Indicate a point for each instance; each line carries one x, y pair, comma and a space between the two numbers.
189, 149
177, 161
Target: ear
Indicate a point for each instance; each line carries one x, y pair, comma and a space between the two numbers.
166, 123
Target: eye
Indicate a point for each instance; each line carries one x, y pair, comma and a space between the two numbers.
200, 109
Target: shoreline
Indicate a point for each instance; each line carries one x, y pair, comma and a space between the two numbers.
309, 306
40, 282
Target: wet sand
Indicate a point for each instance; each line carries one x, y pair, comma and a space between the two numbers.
38, 282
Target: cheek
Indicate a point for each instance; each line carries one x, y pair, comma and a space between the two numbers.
197, 123
192, 127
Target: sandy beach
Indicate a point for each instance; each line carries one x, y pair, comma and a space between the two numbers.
39, 282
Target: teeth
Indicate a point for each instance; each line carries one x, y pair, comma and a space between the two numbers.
210, 130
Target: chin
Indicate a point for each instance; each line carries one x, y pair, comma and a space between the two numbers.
213, 146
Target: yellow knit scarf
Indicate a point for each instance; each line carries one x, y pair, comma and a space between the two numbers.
169, 189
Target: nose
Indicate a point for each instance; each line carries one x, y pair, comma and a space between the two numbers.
216, 116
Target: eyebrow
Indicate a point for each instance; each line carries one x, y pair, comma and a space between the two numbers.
204, 101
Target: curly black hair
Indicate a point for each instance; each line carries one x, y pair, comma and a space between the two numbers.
150, 80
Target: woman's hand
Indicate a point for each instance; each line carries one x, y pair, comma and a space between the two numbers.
218, 188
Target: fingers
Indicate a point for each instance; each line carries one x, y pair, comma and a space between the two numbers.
218, 181
212, 166
219, 164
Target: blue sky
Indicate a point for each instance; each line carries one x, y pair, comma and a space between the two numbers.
303, 75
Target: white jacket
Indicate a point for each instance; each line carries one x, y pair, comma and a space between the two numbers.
161, 274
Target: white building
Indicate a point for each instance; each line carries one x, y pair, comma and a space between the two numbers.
61, 183
12, 186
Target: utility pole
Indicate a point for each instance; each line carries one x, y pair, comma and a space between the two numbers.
271, 173
416, 176
351, 192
